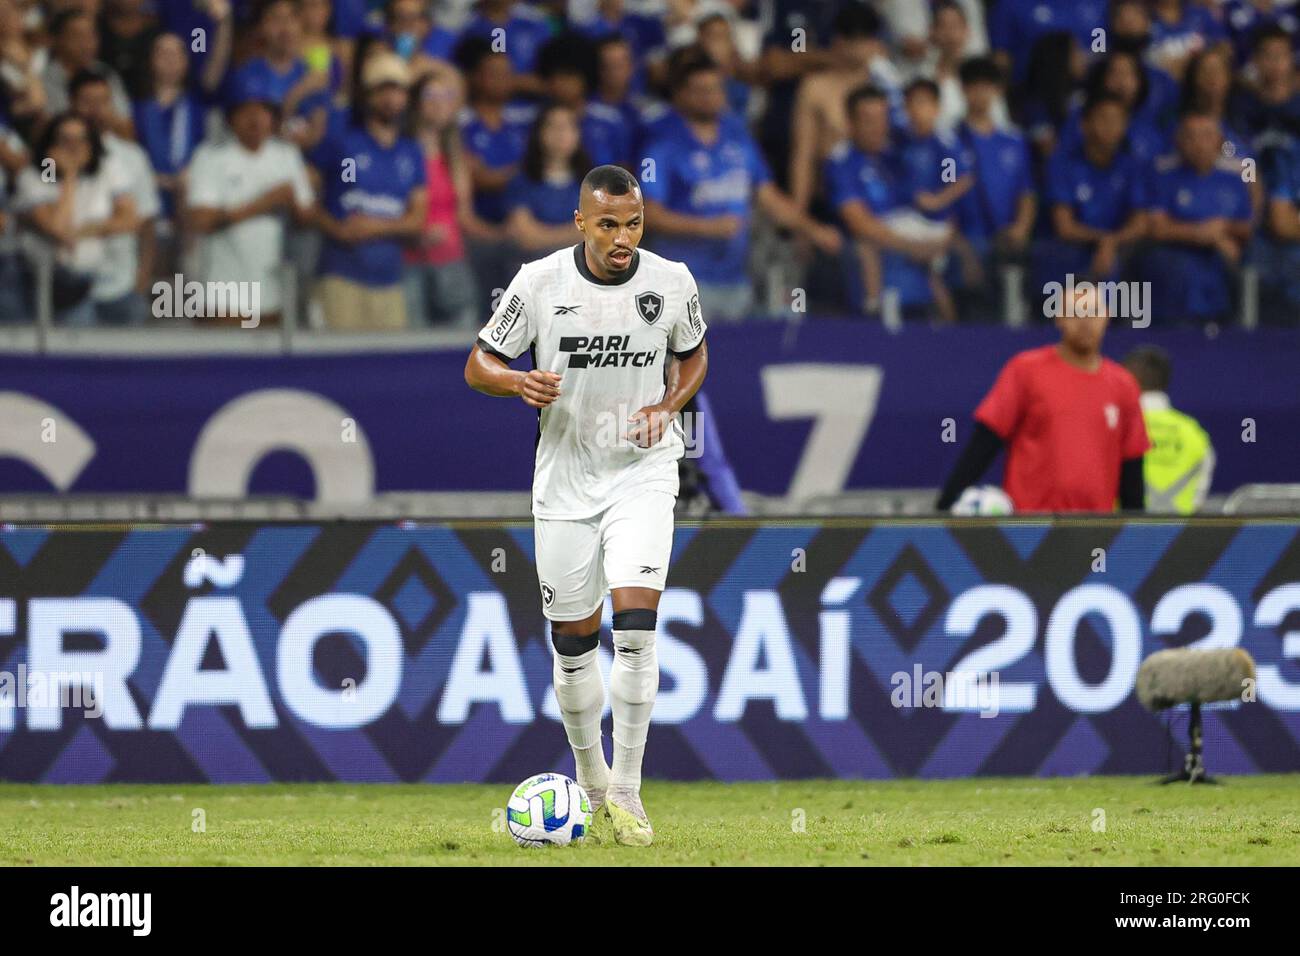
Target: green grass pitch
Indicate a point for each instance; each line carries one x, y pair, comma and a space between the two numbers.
989, 821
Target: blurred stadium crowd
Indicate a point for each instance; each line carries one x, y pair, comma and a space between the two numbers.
392, 162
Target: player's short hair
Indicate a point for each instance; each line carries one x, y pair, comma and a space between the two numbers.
922, 84
980, 69
861, 94
856, 21
1151, 367
1084, 302
611, 179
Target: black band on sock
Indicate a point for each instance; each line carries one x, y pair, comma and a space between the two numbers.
566, 645
635, 619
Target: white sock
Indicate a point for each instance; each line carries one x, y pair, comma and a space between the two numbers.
633, 682
580, 692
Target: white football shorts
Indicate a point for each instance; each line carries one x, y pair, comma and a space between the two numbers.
625, 546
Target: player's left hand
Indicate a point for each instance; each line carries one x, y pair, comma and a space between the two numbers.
648, 425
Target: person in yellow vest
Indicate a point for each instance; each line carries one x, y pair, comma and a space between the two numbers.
1179, 466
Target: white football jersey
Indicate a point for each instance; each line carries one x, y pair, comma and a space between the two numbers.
609, 342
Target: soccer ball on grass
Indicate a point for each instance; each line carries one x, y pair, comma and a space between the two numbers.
548, 810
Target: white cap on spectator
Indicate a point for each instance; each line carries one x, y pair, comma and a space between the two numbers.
707, 9
385, 68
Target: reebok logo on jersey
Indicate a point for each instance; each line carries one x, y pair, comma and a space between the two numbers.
650, 305
604, 351
566, 309
646, 569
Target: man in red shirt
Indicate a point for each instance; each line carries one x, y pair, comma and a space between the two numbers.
1070, 419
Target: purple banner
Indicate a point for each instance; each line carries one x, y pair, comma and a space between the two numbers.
812, 408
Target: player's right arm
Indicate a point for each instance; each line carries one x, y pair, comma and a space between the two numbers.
975, 459
510, 331
488, 373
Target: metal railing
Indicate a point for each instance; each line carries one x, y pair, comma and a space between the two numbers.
187, 336
1263, 499
1255, 500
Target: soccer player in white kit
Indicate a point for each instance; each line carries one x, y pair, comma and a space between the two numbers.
618, 348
